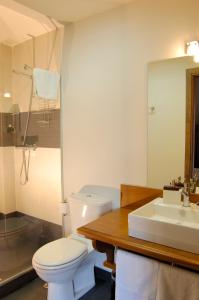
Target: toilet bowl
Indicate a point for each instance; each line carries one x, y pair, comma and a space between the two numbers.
57, 263
67, 264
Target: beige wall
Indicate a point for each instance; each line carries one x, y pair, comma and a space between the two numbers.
2, 182
105, 87
40, 197
5, 76
7, 179
7, 187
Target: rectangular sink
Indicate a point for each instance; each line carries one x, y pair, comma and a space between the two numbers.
171, 225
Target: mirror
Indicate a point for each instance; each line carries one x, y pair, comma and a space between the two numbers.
167, 86
192, 124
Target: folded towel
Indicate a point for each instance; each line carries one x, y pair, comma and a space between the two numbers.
141, 278
136, 277
177, 284
46, 83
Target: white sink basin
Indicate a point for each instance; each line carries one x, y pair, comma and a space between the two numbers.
170, 225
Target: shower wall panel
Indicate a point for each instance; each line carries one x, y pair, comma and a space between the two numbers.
22, 54
41, 195
5, 74
7, 184
44, 128
1, 183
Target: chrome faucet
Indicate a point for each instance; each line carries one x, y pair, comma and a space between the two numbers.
185, 195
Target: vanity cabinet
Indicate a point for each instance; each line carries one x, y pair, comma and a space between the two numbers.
111, 231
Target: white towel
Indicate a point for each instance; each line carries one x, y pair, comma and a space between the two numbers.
141, 278
136, 277
46, 83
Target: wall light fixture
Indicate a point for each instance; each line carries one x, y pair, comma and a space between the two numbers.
6, 95
192, 49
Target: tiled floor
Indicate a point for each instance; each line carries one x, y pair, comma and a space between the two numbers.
34, 290
8, 225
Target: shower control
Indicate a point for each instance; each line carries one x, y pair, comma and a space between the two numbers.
31, 140
10, 129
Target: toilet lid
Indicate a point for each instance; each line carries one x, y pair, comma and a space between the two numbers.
59, 252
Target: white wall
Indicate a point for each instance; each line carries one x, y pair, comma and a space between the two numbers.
105, 87
159, 30
93, 105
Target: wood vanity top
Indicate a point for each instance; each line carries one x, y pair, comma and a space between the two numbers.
112, 229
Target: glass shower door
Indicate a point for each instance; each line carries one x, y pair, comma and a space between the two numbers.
30, 169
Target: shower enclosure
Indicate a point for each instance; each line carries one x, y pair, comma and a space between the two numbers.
30, 169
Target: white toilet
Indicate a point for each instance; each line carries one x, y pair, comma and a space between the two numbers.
67, 264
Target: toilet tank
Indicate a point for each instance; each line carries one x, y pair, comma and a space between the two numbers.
86, 207
107, 192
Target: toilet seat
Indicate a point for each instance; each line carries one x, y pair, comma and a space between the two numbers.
59, 254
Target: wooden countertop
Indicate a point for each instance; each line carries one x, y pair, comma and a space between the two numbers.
112, 229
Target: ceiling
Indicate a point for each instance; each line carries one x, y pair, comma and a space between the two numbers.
21, 18
18, 22
72, 10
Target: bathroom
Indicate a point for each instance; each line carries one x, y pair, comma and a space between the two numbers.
104, 113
